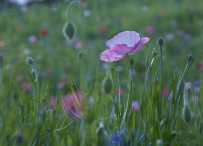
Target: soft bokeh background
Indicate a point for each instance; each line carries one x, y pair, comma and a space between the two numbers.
34, 28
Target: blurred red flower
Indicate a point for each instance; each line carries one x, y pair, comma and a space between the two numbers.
102, 29
199, 65
44, 31
2, 44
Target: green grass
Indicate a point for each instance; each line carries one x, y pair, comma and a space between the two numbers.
107, 119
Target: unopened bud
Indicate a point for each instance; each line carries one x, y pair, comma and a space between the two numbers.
190, 57
30, 61
160, 42
159, 142
132, 62
80, 55
186, 114
107, 85
18, 138
69, 30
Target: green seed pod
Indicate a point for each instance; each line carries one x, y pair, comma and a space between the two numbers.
186, 114
160, 42
107, 85
69, 30
173, 134
159, 142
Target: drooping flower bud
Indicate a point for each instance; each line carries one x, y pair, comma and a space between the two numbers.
186, 114
30, 60
160, 42
69, 30
107, 85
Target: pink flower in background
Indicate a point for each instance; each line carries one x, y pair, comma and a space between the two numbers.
179, 32
72, 104
127, 42
52, 103
186, 37
78, 45
32, 39
19, 78
25, 85
165, 91
120, 91
2, 44
143, 74
149, 29
135, 106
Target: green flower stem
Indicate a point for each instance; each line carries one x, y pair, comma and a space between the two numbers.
162, 78
70, 6
189, 63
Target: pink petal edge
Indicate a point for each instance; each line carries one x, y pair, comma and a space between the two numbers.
139, 44
129, 38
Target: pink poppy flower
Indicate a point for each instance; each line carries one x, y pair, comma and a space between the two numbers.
135, 106
73, 104
127, 42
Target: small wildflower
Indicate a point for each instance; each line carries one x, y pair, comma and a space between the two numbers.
19, 78
25, 85
179, 32
102, 29
135, 106
78, 45
165, 91
120, 91
149, 29
199, 65
52, 103
44, 32
143, 74
2, 44
186, 37
32, 39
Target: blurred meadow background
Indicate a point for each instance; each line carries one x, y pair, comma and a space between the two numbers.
34, 29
